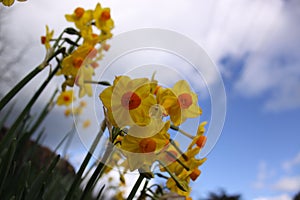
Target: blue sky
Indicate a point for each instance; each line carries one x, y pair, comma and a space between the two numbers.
256, 46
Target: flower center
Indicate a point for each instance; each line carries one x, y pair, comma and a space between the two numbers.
77, 62
194, 175
147, 145
67, 98
130, 100
105, 15
43, 39
185, 100
79, 12
201, 141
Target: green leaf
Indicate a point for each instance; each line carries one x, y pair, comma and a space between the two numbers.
38, 186
71, 42
71, 31
6, 164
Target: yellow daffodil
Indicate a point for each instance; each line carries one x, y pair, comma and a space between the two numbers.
184, 178
86, 123
72, 63
67, 112
195, 174
129, 101
82, 104
91, 39
45, 40
199, 139
141, 151
180, 102
188, 160
119, 195
103, 20
65, 98
192, 161
82, 19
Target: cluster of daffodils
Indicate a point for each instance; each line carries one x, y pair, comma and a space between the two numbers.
86, 45
140, 113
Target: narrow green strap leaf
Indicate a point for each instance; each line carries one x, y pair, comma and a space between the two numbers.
97, 171
12, 130
136, 187
19, 86
7, 164
85, 162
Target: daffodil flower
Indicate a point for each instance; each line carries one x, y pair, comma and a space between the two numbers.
72, 63
86, 123
128, 101
192, 162
45, 40
180, 102
65, 98
141, 151
184, 178
103, 20
82, 19
199, 139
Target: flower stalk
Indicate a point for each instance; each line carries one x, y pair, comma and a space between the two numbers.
85, 162
136, 186
17, 88
176, 128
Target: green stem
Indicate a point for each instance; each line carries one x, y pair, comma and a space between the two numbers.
6, 164
178, 149
44, 113
105, 83
17, 88
49, 56
144, 190
136, 187
11, 132
64, 139
85, 162
178, 160
70, 138
97, 171
176, 128
175, 178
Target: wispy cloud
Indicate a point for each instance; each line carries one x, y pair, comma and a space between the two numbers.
279, 197
290, 164
288, 184
273, 68
264, 173
267, 179
267, 31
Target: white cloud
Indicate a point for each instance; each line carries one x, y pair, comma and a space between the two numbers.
264, 173
273, 67
279, 197
290, 164
111, 180
288, 184
266, 30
